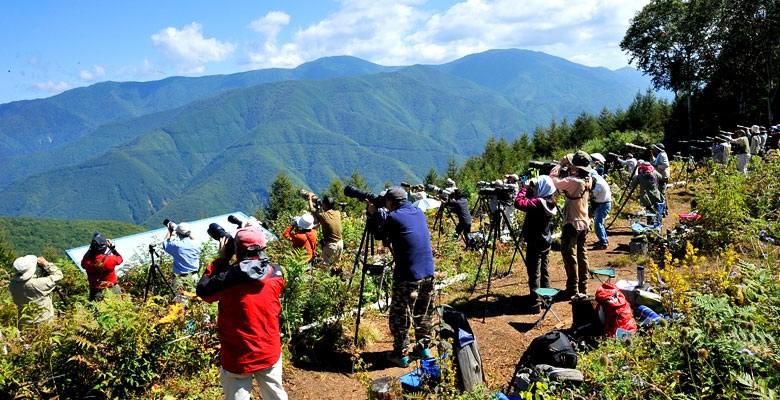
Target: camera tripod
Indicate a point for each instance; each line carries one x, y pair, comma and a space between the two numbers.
367, 246
498, 219
438, 222
155, 275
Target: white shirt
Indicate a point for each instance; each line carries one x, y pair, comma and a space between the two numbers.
601, 191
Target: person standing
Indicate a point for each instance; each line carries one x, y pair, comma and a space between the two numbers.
741, 148
576, 187
27, 288
459, 205
721, 150
649, 196
602, 204
330, 221
405, 228
630, 163
185, 252
536, 200
303, 235
755, 140
100, 263
661, 164
248, 316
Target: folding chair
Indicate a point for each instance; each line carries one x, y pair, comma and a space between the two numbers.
547, 295
599, 273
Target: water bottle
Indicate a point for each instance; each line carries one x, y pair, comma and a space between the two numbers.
640, 275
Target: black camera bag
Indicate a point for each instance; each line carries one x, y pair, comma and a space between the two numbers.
585, 312
553, 348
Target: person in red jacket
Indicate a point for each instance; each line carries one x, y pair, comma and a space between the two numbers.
305, 236
248, 318
100, 263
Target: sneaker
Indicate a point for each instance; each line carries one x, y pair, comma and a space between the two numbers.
402, 362
599, 246
421, 354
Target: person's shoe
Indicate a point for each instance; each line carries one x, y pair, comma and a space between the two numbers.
563, 295
599, 246
402, 362
421, 354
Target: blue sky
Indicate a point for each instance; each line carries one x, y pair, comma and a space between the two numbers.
51, 46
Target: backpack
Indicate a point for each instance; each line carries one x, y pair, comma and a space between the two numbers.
617, 311
465, 348
553, 348
585, 313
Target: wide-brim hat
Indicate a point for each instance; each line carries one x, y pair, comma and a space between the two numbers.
25, 267
581, 160
599, 157
306, 221
755, 128
659, 146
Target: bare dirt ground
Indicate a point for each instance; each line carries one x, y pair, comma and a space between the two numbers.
502, 337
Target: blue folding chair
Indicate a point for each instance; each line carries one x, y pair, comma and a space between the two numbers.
547, 295
609, 273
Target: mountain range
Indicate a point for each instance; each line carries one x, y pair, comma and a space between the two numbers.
183, 148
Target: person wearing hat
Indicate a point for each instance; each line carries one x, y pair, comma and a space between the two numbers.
450, 184
304, 236
661, 164
602, 204
248, 316
598, 163
741, 148
32, 293
721, 149
330, 220
186, 253
576, 187
536, 200
404, 227
100, 263
458, 204
755, 140
629, 163
649, 194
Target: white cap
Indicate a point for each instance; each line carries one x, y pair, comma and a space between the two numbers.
183, 229
306, 221
25, 267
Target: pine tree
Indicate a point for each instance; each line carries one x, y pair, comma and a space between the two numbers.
283, 199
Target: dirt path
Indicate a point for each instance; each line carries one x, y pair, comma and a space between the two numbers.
502, 338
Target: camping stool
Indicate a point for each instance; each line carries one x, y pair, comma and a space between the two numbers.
546, 294
598, 273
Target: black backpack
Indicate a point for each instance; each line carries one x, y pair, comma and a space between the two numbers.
553, 348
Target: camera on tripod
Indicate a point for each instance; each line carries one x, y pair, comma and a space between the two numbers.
355, 193
544, 167
444, 193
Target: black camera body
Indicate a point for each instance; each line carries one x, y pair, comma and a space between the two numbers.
501, 193
544, 167
355, 193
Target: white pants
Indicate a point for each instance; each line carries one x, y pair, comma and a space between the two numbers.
742, 162
239, 387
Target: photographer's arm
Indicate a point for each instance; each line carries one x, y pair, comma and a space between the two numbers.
375, 221
46, 284
216, 278
312, 208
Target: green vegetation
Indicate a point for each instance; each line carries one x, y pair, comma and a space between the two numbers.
51, 237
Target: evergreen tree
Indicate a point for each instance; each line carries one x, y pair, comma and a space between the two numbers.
432, 178
452, 168
7, 254
283, 199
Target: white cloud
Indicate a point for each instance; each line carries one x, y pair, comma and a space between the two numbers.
189, 49
403, 32
96, 73
142, 71
51, 86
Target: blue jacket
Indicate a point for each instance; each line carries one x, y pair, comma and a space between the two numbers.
407, 231
185, 254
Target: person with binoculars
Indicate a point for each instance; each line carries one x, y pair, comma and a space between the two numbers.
185, 252
100, 263
303, 235
32, 292
536, 200
248, 317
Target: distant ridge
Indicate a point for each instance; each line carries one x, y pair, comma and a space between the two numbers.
220, 150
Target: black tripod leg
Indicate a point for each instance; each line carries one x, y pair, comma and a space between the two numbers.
496, 229
165, 280
357, 255
485, 250
360, 304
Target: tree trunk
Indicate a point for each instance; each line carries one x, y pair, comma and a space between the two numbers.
690, 117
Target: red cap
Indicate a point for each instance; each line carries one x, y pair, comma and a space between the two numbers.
249, 236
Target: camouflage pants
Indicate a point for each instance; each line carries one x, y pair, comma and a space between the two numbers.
412, 301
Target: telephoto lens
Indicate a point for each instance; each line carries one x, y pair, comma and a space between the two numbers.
355, 193
234, 220
217, 232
